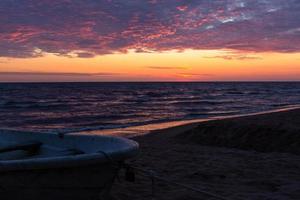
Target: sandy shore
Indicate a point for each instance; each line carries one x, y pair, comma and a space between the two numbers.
254, 157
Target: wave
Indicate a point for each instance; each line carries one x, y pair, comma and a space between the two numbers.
204, 102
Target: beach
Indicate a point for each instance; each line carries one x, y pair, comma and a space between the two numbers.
150, 100
251, 157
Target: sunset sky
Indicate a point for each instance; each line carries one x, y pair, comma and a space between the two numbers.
149, 40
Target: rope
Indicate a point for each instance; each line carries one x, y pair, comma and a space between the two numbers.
108, 157
153, 176
152, 184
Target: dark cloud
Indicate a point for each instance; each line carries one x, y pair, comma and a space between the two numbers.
95, 27
25, 76
55, 74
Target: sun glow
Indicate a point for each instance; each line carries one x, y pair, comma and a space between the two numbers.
189, 65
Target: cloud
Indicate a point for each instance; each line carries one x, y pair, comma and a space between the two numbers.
55, 74
165, 68
195, 74
96, 27
26, 76
236, 57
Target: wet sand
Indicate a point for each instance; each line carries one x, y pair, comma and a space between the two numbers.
253, 157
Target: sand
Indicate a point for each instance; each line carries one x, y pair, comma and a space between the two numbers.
255, 157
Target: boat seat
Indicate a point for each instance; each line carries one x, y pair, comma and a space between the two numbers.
31, 146
33, 149
14, 151
57, 153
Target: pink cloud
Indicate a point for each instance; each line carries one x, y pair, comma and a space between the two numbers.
107, 26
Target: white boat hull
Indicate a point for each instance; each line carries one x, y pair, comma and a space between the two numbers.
87, 176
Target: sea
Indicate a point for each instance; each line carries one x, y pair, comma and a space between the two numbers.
75, 107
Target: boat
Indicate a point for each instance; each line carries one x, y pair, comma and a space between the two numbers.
47, 166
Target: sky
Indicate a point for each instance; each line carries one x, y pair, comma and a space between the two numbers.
149, 40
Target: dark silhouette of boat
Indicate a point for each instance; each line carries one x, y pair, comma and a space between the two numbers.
52, 166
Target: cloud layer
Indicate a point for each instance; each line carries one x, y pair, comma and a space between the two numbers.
94, 27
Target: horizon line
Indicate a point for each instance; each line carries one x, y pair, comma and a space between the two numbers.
227, 81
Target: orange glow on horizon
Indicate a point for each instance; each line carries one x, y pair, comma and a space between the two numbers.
190, 65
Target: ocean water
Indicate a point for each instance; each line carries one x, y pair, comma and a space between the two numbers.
69, 107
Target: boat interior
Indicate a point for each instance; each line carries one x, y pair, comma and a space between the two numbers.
33, 149
15, 145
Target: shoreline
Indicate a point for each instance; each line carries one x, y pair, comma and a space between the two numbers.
135, 131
